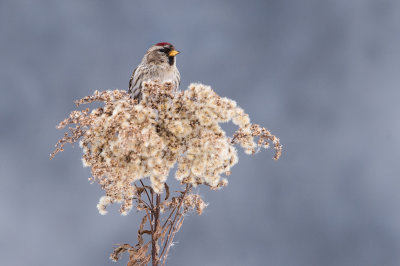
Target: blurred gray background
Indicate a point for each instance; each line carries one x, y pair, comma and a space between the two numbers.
321, 75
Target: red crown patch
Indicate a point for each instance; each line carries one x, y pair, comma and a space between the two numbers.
163, 44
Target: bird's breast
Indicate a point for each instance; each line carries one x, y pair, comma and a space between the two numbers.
162, 74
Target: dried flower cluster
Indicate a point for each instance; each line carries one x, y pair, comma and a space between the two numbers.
125, 141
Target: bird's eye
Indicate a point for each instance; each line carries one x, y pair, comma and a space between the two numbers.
162, 50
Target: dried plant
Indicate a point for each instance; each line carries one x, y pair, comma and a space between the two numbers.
126, 144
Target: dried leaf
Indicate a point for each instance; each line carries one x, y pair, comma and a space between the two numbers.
140, 253
116, 254
148, 232
166, 191
138, 257
142, 224
139, 190
148, 187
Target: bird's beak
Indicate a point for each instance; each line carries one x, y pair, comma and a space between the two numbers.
173, 53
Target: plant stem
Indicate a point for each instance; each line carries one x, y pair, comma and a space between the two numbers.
156, 233
163, 228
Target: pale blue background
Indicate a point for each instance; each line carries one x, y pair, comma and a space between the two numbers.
322, 75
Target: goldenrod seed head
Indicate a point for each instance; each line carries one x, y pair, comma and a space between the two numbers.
123, 142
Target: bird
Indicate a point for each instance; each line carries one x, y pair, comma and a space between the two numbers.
158, 64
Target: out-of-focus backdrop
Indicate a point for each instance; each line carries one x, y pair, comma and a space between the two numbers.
321, 75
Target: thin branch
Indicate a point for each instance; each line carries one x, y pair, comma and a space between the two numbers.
176, 229
143, 202
145, 190
173, 210
150, 222
177, 213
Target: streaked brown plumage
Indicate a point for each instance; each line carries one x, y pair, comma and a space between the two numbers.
158, 64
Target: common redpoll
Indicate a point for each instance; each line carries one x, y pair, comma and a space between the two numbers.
158, 64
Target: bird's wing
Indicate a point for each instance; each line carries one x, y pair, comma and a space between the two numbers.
131, 83
177, 80
135, 82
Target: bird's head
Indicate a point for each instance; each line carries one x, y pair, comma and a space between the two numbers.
160, 53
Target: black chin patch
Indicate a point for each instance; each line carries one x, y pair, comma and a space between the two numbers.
171, 60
